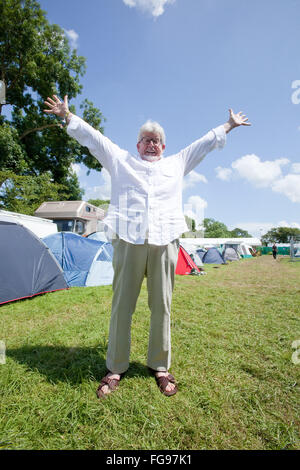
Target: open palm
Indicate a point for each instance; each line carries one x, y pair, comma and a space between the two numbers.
57, 107
238, 119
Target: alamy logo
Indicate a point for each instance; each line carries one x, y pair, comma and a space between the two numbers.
2, 92
296, 94
296, 354
2, 352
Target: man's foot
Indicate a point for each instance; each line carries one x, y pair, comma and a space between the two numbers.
165, 382
108, 384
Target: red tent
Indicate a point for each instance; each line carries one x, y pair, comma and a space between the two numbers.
185, 263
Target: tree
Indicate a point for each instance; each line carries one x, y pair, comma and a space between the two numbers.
99, 202
215, 229
280, 235
36, 61
25, 194
239, 233
190, 223
12, 154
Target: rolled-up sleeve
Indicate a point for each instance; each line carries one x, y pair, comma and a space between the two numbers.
220, 136
99, 146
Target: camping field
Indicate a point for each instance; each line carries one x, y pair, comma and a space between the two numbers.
238, 374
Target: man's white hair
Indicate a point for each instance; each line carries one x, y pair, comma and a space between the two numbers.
152, 126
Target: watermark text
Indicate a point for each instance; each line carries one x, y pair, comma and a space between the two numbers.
2, 352
296, 354
296, 94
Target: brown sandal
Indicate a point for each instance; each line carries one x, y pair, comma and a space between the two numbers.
163, 382
111, 383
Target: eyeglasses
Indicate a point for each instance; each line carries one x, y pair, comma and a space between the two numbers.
148, 140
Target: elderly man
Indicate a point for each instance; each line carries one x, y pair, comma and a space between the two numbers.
144, 222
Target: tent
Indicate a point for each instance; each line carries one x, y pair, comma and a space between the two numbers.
212, 256
191, 249
185, 264
101, 272
84, 262
27, 268
201, 252
245, 250
40, 227
100, 236
195, 257
230, 253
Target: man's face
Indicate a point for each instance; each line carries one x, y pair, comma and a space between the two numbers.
150, 145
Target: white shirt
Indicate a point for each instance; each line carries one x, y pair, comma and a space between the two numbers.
146, 198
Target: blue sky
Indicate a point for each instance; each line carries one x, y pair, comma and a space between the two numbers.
183, 63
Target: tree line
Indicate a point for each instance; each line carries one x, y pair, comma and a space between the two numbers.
215, 229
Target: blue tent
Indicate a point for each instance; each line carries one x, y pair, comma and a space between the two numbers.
100, 236
212, 256
201, 252
101, 272
27, 267
78, 256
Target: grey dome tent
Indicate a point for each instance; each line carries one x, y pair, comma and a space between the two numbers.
27, 268
230, 253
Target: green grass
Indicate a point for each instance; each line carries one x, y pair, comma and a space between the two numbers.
232, 334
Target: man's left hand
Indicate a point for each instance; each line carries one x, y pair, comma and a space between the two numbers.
236, 120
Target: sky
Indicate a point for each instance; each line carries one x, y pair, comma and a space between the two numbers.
184, 63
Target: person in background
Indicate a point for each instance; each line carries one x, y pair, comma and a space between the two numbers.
274, 251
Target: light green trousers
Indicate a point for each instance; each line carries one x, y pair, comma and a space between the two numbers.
131, 263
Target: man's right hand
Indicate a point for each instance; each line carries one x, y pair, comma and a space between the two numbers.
60, 108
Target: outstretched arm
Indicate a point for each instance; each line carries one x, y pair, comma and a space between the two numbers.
235, 120
99, 146
194, 153
59, 108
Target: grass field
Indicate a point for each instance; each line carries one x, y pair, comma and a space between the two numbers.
232, 335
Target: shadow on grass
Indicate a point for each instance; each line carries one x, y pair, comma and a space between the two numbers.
72, 365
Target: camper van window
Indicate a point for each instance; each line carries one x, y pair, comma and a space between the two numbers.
64, 225
79, 227
88, 209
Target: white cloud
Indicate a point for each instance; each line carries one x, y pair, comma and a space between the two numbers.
154, 7
223, 173
193, 178
265, 174
195, 208
289, 185
283, 223
296, 168
73, 37
257, 172
99, 192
